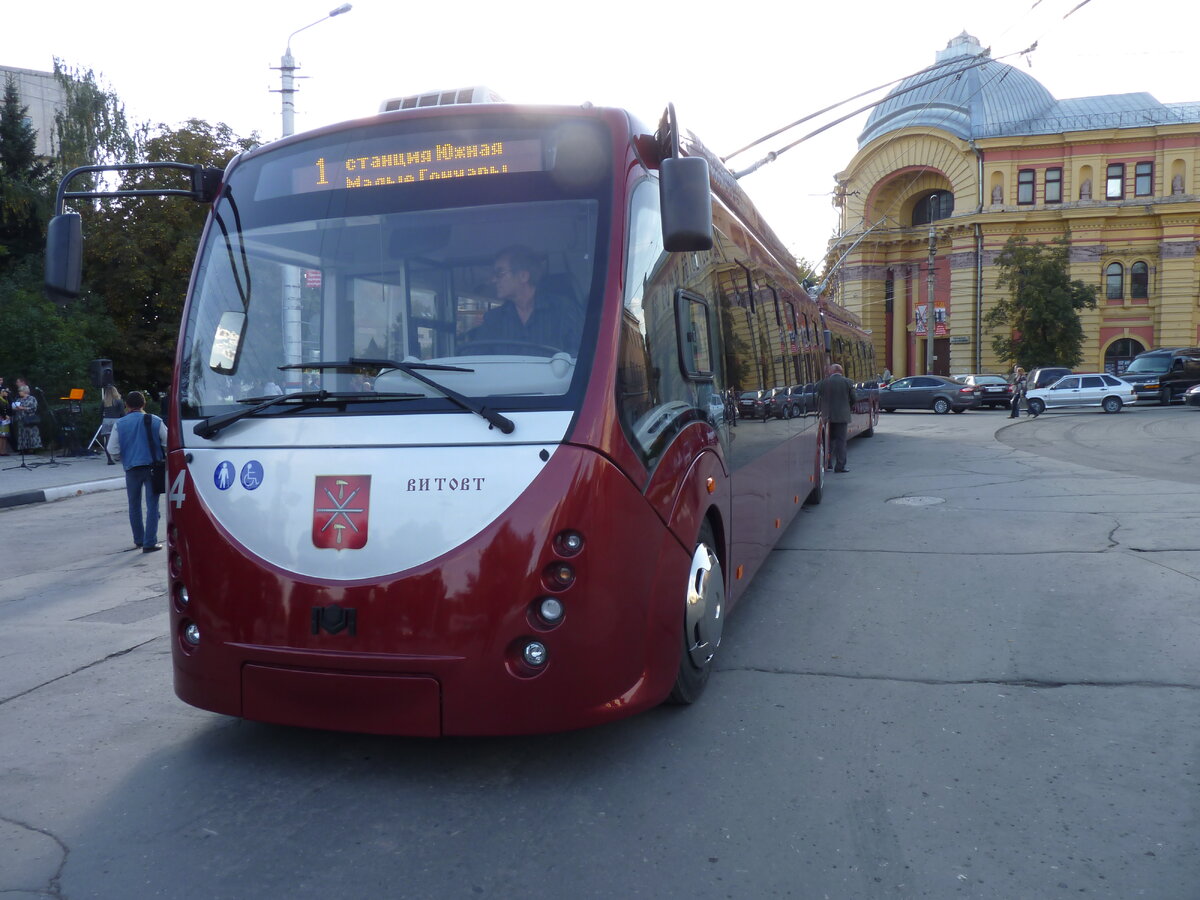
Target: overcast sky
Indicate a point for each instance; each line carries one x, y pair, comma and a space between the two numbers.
735, 70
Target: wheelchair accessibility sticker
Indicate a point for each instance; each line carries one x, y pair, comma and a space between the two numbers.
252, 475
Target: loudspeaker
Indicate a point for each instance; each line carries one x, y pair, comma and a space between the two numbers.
101, 372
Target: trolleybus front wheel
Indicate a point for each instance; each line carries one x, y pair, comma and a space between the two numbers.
703, 619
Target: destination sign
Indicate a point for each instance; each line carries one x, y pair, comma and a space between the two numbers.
386, 166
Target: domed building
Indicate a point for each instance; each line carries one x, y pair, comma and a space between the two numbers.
966, 154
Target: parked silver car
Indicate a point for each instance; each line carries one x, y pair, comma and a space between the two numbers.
1100, 389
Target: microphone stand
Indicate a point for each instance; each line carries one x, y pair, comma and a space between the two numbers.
14, 430
57, 429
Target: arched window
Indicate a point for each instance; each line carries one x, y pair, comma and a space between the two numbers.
1119, 354
1114, 281
933, 206
1139, 281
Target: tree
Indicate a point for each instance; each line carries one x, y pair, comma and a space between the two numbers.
24, 182
139, 251
1040, 315
91, 128
48, 346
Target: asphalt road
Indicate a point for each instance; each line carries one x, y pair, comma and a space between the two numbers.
971, 672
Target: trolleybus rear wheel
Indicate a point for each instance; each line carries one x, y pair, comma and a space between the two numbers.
703, 619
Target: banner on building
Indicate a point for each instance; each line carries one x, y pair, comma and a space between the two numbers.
941, 319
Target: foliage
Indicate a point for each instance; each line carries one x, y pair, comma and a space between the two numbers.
139, 252
24, 182
48, 347
1040, 315
91, 129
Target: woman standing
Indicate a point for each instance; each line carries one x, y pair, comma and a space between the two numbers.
29, 435
1018, 383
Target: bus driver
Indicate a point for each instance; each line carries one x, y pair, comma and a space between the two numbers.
528, 314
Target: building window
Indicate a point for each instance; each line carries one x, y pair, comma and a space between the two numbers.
1115, 185
1143, 179
933, 206
1054, 185
1139, 281
1114, 281
1025, 185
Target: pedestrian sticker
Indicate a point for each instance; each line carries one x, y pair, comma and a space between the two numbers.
252, 475
223, 476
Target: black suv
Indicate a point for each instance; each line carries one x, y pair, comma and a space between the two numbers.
1165, 374
1044, 376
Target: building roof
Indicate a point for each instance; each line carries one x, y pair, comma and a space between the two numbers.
972, 96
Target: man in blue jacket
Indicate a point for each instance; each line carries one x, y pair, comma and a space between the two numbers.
130, 442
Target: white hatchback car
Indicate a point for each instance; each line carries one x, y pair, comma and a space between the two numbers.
1088, 389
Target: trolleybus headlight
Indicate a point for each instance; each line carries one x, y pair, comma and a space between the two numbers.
191, 634
551, 610
181, 596
569, 543
535, 654
560, 576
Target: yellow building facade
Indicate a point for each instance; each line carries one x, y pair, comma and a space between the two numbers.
965, 155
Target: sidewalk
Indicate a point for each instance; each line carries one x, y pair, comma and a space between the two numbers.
68, 476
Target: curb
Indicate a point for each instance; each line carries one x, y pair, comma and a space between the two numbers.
61, 492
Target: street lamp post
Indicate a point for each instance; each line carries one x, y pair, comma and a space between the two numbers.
930, 310
287, 71
293, 332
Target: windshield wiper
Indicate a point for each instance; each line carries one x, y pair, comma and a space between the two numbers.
303, 399
413, 370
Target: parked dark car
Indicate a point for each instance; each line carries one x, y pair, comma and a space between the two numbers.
1164, 375
1191, 397
752, 405
787, 402
994, 390
1044, 376
942, 395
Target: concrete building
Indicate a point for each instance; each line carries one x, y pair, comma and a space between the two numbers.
41, 92
976, 151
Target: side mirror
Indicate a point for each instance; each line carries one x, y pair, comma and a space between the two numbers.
686, 202
64, 257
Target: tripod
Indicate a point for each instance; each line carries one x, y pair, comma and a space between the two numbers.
100, 438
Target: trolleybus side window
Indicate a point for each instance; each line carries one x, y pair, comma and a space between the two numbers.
665, 378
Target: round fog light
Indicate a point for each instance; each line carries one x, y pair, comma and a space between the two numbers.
191, 634
551, 610
181, 594
570, 543
535, 653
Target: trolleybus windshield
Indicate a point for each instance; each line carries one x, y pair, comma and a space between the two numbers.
399, 241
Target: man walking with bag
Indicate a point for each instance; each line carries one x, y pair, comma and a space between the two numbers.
138, 439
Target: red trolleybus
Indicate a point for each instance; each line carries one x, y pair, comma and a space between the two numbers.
399, 502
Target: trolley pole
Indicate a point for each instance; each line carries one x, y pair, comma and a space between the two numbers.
930, 312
